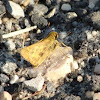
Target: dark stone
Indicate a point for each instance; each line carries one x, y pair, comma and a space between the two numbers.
39, 21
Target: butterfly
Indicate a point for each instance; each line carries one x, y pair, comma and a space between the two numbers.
38, 52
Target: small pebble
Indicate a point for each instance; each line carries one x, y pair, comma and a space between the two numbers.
14, 79
50, 87
66, 7
4, 78
40, 9
89, 94
35, 84
92, 3
79, 78
96, 96
62, 35
8, 67
5, 96
89, 35
97, 68
14, 9
2, 8
10, 44
1, 88
95, 33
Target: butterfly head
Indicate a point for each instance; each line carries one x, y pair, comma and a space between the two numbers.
53, 34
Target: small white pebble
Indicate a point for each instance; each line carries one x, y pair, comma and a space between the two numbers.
96, 96
79, 78
14, 79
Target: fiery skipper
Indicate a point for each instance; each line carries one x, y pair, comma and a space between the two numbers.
38, 52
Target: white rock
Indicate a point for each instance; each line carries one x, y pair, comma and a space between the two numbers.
5, 96
35, 84
79, 78
96, 96
97, 68
14, 9
10, 44
89, 35
9, 67
14, 79
92, 3
66, 66
66, 7
95, 33
70, 15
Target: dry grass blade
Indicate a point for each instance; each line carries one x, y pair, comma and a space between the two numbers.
18, 32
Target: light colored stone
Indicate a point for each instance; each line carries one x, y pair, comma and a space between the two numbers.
66, 7
89, 94
14, 9
96, 96
79, 78
8, 67
89, 35
69, 16
62, 35
97, 68
14, 79
35, 84
5, 96
95, 33
92, 3
51, 13
10, 44
64, 67
40, 9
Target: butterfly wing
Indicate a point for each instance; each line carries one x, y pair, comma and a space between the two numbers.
39, 51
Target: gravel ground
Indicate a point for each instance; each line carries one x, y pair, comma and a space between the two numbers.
78, 25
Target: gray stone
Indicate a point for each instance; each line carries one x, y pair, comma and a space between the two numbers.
14, 9
66, 7
62, 35
1, 88
92, 3
8, 67
39, 21
40, 9
2, 8
89, 94
35, 84
50, 87
4, 78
